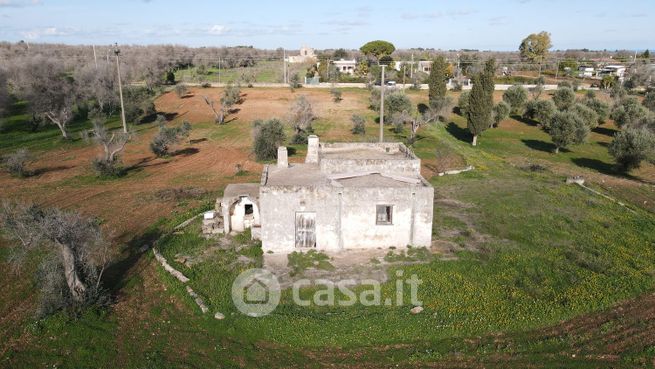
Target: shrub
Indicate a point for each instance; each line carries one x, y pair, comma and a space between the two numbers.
564, 98
168, 136
501, 112
336, 95
300, 118
588, 115
566, 129
628, 112
16, 163
181, 90
540, 110
398, 119
107, 168
397, 102
516, 96
359, 124
649, 100
463, 103
602, 109
268, 136
632, 146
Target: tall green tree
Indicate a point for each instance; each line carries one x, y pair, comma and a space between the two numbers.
377, 49
437, 80
535, 47
478, 114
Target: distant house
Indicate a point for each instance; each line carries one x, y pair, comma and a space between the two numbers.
346, 66
585, 71
306, 55
424, 66
612, 70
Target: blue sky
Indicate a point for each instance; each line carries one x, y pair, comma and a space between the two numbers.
441, 24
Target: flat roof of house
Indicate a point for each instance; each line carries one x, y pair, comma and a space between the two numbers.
236, 190
363, 150
311, 175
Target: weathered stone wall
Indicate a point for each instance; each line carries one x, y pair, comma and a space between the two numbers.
398, 167
346, 216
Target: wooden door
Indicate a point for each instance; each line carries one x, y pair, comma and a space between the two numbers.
305, 229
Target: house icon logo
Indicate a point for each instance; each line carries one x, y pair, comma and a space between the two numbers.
256, 292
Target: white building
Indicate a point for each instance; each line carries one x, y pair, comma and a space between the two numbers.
585, 71
345, 196
306, 55
345, 66
612, 70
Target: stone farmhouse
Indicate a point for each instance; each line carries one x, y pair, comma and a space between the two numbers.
344, 196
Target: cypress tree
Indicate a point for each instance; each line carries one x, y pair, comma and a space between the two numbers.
437, 80
478, 116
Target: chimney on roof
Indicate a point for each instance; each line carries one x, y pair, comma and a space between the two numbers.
312, 149
282, 157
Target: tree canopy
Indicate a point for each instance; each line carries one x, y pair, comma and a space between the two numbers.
378, 49
535, 47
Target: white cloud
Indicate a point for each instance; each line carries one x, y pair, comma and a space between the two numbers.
18, 3
217, 29
44, 32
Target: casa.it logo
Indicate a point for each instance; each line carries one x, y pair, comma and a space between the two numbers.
256, 292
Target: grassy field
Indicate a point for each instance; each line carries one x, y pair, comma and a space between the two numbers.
538, 268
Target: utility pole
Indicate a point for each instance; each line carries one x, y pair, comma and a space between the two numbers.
95, 58
411, 69
284, 65
120, 87
382, 106
219, 70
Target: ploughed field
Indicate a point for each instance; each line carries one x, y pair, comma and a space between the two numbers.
525, 270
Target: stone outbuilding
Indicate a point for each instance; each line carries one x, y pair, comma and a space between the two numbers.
344, 196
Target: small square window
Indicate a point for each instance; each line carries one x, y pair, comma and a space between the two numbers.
383, 214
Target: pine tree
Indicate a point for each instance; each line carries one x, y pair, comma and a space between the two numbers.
437, 80
478, 116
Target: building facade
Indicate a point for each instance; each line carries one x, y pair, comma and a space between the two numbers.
345, 196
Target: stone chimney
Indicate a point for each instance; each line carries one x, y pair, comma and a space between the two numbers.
312, 149
282, 157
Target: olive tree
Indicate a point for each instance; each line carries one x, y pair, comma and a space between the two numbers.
70, 248
112, 144
649, 100
602, 109
516, 96
16, 163
500, 112
540, 110
628, 112
631, 147
300, 117
167, 137
564, 98
359, 124
267, 137
48, 89
4, 92
588, 115
567, 129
